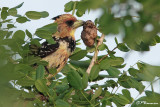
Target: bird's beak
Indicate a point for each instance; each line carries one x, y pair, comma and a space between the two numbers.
78, 23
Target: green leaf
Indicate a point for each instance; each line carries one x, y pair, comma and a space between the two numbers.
61, 103
116, 40
4, 13
7, 20
102, 47
129, 82
19, 36
12, 11
40, 72
151, 100
30, 60
21, 19
106, 20
75, 80
157, 39
79, 55
127, 94
2, 34
69, 6
120, 66
82, 64
52, 28
111, 83
44, 63
133, 72
46, 32
33, 15
80, 13
23, 68
53, 70
104, 64
5, 8
149, 93
28, 95
96, 22
112, 71
81, 7
18, 6
135, 84
123, 81
94, 72
25, 81
115, 61
35, 42
44, 14
28, 34
148, 72
51, 41
62, 88
85, 5
85, 80
120, 99
94, 86
123, 47
77, 50
9, 34
41, 85
10, 26
97, 93
153, 42
90, 49
111, 61
152, 94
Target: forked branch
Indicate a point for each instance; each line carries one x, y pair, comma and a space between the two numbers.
93, 61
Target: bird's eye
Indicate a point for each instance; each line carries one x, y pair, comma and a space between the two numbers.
70, 22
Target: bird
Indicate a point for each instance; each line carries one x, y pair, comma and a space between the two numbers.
57, 54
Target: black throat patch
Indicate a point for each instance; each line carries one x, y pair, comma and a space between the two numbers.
69, 40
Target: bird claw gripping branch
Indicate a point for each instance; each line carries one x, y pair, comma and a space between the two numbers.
89, 33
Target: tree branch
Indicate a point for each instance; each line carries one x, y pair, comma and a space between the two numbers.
100, 41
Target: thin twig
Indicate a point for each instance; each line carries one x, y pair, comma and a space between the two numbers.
152, 87
105, 55
100, 41
86, 98
117, 89
71, 66
112, 90
143, 91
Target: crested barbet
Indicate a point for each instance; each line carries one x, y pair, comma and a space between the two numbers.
57, 54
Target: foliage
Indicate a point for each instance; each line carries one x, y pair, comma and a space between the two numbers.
28, 85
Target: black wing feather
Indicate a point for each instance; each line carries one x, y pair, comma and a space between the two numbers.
46, 49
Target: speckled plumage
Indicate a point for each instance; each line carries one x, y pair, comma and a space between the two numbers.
61, 51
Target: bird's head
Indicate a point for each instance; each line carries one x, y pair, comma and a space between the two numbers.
67, 24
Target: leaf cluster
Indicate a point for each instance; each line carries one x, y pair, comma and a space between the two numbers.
137, 26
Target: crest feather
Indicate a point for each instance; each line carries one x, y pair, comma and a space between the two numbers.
55, 18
